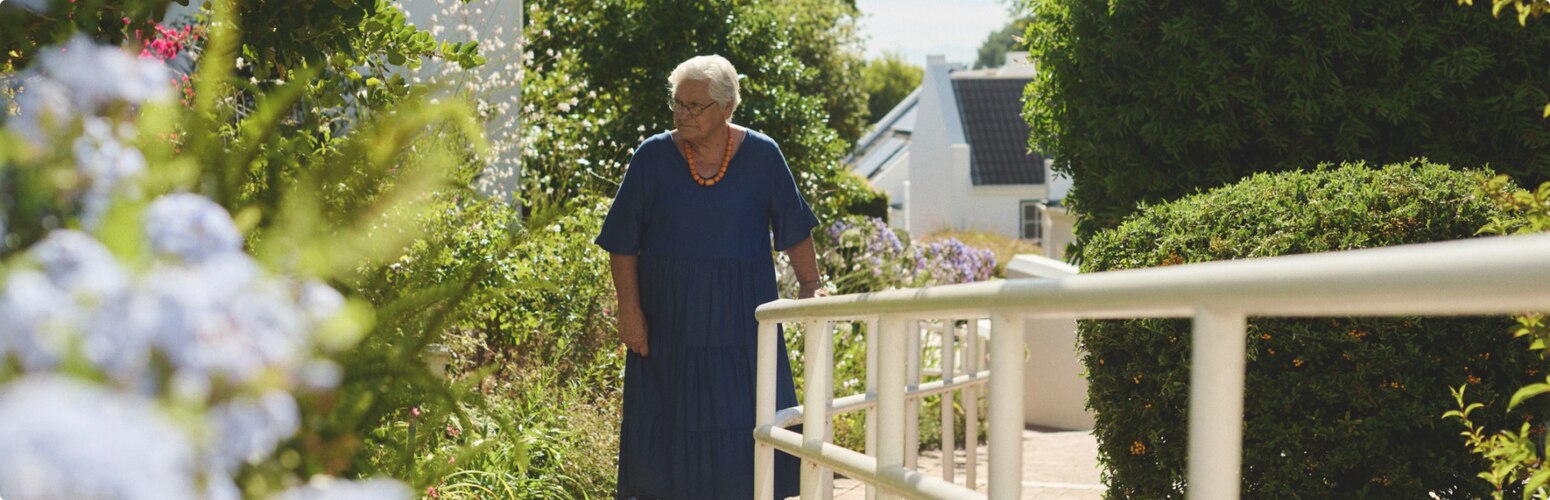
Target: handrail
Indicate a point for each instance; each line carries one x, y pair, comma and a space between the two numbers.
854, 402
1499, 275
1477, 276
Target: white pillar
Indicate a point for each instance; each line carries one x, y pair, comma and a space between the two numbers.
1006, 406
817, 395
872, 335
971, 406
1217, 353
764, 413
912, 404
948, 332
890, 393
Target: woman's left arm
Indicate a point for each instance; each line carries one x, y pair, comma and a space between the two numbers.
805, 260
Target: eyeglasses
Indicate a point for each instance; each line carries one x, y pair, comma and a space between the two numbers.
688, 109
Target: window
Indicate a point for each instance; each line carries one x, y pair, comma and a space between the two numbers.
1032, 212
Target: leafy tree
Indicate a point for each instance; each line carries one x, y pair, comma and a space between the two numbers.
801, 79
992, 52
1146, 102
888, 80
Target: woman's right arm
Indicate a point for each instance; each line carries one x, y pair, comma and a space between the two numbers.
632, 322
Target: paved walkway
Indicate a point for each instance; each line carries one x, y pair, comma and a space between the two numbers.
1056, 465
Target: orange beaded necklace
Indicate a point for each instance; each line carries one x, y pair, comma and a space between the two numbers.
726, 158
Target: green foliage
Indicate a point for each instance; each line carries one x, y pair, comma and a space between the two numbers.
536, 336
1334, 407
1143, 102
1524, 8
992, 53
801, 82
23, 32
1514, 456
888, 80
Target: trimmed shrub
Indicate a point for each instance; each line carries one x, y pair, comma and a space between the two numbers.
1148, 101
1334, 407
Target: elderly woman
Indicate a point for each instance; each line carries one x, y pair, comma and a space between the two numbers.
690, 233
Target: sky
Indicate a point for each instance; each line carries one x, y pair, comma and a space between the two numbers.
954, 28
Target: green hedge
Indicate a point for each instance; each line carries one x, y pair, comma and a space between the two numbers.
1334, 407
1150, 100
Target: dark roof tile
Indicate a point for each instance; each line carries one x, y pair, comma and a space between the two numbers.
991, 110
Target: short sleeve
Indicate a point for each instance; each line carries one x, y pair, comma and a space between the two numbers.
791, 220
623, 227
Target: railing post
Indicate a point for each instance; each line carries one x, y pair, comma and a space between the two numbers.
872, 335
1216, 404
912, 404
764, 412
971, 406
890, 392
949, 332
1006, 405
817, 395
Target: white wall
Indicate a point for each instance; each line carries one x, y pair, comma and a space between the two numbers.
1054, 391
931, 151
1059, 231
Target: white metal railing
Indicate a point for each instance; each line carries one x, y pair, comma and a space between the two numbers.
1503, 275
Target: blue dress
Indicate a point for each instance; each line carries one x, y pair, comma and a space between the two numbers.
704, 264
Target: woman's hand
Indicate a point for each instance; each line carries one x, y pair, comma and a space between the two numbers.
632, 331
632, 322
804, 260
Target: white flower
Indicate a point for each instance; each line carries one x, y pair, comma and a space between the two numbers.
191, 228
101, 74
320, 301
36, 320
248, 428
221, 320
39, 6
319, 374
79, 265
106, 165
326, 488
61, 438
43, 110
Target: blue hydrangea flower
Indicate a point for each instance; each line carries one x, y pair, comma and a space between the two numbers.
325, 488
36, 320
62, 438
78, 264
190, 228
106, 166
248, 428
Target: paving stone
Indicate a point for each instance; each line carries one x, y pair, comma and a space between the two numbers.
1056, 465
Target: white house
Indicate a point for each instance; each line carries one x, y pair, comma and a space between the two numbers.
954, 155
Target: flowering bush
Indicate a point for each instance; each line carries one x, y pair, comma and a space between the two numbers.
495, 86
862, 254
173, 377
859, 254
152, 355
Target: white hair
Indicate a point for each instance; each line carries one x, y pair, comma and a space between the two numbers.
712, 69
